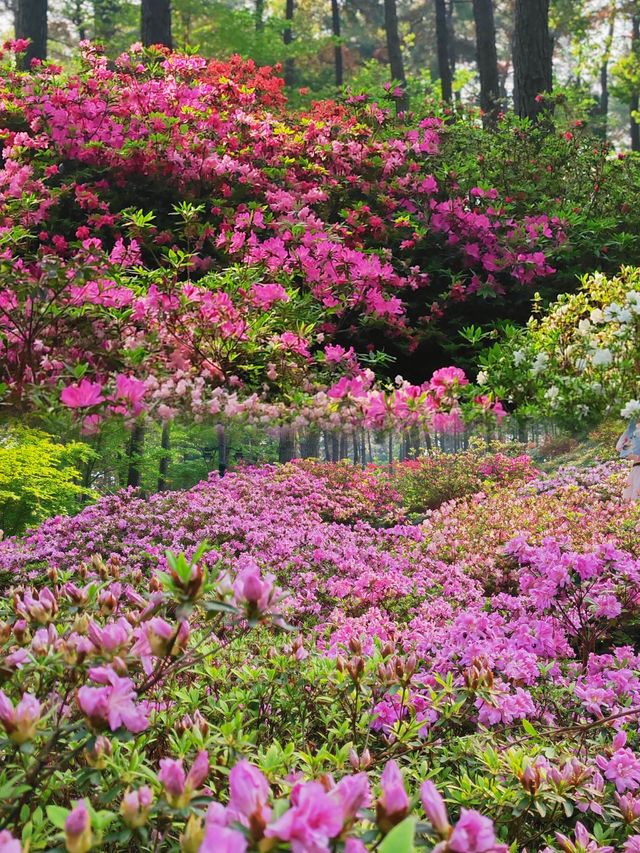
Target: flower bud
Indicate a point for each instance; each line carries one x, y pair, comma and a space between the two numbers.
20, 723
97, 756
435, 809
191, 838
78, 836
135, 806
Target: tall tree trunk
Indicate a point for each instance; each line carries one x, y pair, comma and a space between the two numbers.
259, 16
634, 103
105, 15
451, 36
487, 58
532, 57
31, 23
444, 59
286, 444
163, 468
222, 450
603, 104
155, 22
287, 37
136, 449
335, 447
335, 26
394, 49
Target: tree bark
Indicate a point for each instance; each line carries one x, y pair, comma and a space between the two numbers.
287, 37
487, 59
163, 468
634, 103
444, 59
155, 23
532, 57
105, 14
336, 29
394, 49
603, 103
259, 16
222, 450
136, 449
32, 23
286, 444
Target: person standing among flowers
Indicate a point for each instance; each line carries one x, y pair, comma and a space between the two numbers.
628, 447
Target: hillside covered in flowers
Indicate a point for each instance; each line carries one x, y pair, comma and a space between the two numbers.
487, 650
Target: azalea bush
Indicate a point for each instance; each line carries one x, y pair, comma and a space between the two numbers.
313, 679
427, 482
167, 220
579, 362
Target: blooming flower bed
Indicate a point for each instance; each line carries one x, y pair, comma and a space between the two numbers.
323, 675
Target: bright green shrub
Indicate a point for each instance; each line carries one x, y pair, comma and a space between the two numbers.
38, 478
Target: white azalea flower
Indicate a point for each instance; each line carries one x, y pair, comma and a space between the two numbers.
601, 357
631, 410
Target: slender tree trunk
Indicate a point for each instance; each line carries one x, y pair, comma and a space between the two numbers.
444, 59
451, 36
287, 37
603, 104
310, 445
344, 446
259, 16
31, 22
487, 58
136, 449
532, 57
286, 444
394, 49
155, 22
335, 26
222, 450
163, 468
634, 103
77, 18
335, 447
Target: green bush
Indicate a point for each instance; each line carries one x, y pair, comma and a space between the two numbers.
38, 477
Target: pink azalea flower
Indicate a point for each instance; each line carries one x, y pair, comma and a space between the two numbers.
20, 722
9, 844
353, 794
113, 704
623, 769
83, 395
474, 833
249, 795
220, 839
311, 823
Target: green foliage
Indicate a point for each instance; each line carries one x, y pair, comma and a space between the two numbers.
38, 477
578, 363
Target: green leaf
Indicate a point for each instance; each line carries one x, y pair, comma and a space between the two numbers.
57, 815
401, 837
529, 729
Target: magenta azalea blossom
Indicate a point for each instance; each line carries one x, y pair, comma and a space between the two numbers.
311, 822
83, 395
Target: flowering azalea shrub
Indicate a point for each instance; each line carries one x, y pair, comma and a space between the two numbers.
314, 680
580, 361
429, 481
168, 229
